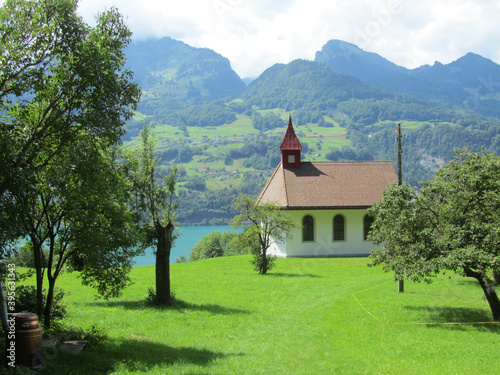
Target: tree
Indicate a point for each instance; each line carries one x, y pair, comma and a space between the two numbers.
153, 201
262, 223
73, 212
58, 76
59, 79
453, 224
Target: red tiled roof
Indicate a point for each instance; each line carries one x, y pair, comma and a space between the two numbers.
329, 185
290, 140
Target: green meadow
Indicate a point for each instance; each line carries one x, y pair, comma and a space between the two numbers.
334, 137
308, 316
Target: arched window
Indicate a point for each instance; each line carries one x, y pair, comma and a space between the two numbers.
367, 226
308, 228
338, 228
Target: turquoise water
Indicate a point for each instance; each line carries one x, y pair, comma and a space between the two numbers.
183, 245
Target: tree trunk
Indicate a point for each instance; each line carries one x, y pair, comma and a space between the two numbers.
496, 277
48, 304
264, 266
37, 249
491, 296
163, 248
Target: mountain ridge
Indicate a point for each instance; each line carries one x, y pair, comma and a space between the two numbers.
170, 68
452, 83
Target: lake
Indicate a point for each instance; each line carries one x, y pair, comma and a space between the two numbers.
183, 245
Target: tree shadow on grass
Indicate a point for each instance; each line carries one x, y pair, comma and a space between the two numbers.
283, 274
468, 281
129, 355
464, 317
177, 305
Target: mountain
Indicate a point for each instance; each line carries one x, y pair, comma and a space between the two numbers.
469, 79
369, 67
468, 71
303, 81
313, 90
471, 76
168, 68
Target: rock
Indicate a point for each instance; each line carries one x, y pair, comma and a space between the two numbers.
74, 347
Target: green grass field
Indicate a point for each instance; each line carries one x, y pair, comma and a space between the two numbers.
308, 316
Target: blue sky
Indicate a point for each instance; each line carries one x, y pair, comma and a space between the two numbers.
255, 34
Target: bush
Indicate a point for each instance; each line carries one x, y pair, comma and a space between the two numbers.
181, 259
210, 246
152, 298
218, 244
26, 301
261, 263
93, 335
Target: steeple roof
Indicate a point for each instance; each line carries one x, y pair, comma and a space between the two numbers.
290, 141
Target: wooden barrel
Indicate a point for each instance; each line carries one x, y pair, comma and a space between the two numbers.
28, 339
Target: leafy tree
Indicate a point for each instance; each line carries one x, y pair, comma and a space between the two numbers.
185, 155
73, 213
453, 223
262, 223
153, 201
59, 79
228, 161
58, 76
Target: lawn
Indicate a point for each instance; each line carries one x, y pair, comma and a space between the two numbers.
308, 316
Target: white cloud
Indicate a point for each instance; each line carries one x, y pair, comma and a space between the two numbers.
255, 34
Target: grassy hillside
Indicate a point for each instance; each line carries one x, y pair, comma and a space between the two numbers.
242, 128
309, 316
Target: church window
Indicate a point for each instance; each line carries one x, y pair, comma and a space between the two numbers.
308, 228
339, 228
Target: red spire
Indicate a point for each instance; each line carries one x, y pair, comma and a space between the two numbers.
290, 141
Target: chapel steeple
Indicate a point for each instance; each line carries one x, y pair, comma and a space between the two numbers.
290, 148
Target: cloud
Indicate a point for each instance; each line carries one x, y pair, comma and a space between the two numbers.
255, 34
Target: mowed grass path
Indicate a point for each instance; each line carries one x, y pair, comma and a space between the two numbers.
308, 316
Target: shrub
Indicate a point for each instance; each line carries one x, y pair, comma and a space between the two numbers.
260, 262
181, 259
210, 246
218, 244
152, 298
26, 301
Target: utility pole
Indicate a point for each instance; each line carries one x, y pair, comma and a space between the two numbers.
401, 283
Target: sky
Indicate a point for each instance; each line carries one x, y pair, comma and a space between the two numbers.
256, 34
